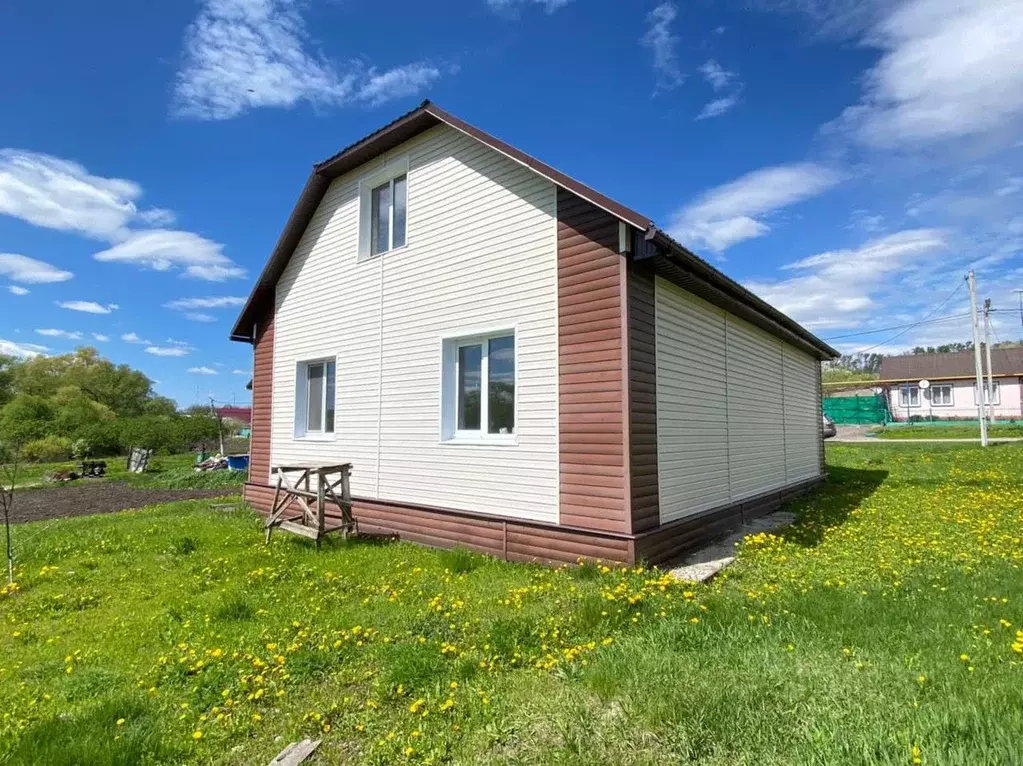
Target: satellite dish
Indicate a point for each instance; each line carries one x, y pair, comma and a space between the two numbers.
925, 384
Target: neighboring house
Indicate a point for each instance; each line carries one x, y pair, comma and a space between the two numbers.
241, 414
514, 362
953, 384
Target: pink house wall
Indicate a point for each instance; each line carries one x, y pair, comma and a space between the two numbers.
1009, 406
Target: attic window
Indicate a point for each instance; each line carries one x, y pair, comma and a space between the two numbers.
383, 199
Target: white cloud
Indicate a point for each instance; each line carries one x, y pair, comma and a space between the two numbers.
719, 79
381, 87
21, 350
168, 350
100, 337
842, 288
17, 290
202, 371
733, 212
240, 372
662, 42
949, 70
67, 335
211, 302
88, 307
716, 75
550, 6
163, 249
157, 216
130, 337
29, 271
247, 54
198, 316
56, 194
718, 106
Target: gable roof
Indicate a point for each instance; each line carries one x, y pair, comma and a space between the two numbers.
428, 115
959, 364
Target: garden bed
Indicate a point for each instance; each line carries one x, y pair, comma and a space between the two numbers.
92, 496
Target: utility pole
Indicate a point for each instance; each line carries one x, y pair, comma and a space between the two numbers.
1020, 294
971, 281
220, 423
987, 352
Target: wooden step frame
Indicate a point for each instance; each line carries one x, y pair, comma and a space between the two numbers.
295, 485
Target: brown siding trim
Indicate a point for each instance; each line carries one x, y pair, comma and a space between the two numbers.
669, 541
522, 540
511, 539
262, 398
593, 369
642, 400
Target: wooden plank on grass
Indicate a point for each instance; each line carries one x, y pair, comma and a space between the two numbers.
295, 753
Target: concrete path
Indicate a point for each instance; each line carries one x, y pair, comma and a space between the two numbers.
858, 435
706, 562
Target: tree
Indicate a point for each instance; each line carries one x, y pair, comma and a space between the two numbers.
24, 418
6, 378
10, 458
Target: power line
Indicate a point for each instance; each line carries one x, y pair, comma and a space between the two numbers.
915, 324
897, 327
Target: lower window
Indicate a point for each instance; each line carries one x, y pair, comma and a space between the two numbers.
315, 397
909, 396
941, 395
990, 396
479, 383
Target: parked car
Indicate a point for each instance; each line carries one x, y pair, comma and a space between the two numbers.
829, 427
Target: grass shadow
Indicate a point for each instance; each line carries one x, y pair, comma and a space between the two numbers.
831, 503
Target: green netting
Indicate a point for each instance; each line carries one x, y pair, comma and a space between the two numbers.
857, 410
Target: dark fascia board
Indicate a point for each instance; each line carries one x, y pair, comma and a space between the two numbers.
723, 291
395, 133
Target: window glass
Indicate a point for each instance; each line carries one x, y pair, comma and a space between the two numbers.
381, 219
329, 414
470, 363
400, 203
314, 400
501, 385
941, 395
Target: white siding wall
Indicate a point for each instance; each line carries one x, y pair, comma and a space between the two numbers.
736, 407
482, 254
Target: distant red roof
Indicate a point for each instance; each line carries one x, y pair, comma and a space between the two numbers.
244, 414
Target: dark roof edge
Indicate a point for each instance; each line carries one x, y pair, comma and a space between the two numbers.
542, 168
313, 191
729, 286
420, 119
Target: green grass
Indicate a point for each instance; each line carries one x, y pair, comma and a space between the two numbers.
883, 621
951, 431
165, 472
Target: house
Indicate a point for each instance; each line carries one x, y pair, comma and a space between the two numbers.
514, 362
241, 414
952, 390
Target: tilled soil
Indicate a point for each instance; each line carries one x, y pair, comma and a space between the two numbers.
85, 499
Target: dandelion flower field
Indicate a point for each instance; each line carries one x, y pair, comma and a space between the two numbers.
885, 627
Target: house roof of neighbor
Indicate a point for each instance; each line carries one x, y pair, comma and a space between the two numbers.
428, 115
244, 414
959, 364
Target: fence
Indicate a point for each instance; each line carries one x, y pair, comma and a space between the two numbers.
857, 410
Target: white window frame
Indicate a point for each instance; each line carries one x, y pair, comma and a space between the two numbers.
449, 432
906, 396
302, 430
392, 169
951, 394
997, 392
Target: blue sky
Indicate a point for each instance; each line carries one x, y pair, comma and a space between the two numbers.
849, 160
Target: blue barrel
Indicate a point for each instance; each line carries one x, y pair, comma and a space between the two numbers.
238, 462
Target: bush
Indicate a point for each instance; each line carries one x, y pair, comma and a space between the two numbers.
49, 449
